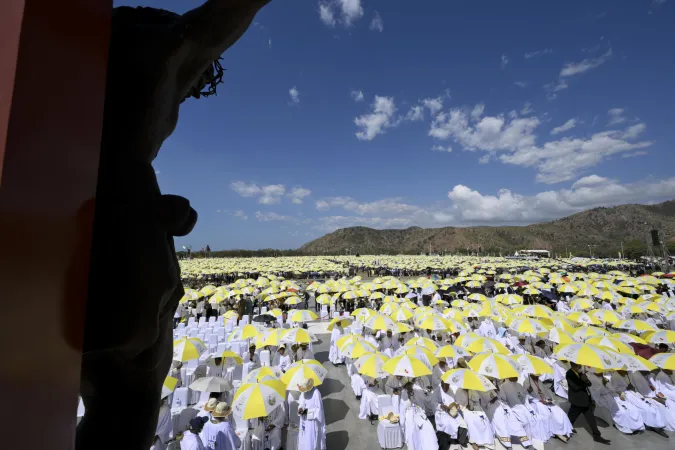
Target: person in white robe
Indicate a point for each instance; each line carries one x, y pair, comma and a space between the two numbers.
663, 383
394, 382
281, 360
370, 337
504, 422
334, 354
560, 369
559, 424
369, 404
312, 432
304, 353
422, 395
267, 430
437, 372
480, 430
164, 428
419, 433
516, 417
448, 420
648, 391
387, 343
218, 433
251, 359
651, 416
191, 439
214, 367
358, 384
626, 417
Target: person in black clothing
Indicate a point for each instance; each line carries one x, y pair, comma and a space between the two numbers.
581, 401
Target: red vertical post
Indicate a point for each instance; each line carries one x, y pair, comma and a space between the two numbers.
53, 58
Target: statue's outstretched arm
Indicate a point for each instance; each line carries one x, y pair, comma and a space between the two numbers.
208, 31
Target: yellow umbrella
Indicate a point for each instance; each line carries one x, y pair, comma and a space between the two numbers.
583, 333
379, 322
634, 363
169, 386
372, 365
302, 370
660, 337
298, 336
261, 374
583, 318
534, 311
402, 314
464, 340
356, 349
467, 379
401, 328
421, 353
452, 351
664, 360
561, 336
529, 326
422, 342
324, 299
187, 349
348, 339
242, 333
293, 301
635, 325
432, 322
628, 338
586, 355
605, 316
488, 345
254, 400
407, 366
581, 304
532, 364
494, 365
632, 309
343, 321
610, 343
302, 315
270, 337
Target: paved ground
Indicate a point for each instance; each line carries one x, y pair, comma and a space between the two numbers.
344, 430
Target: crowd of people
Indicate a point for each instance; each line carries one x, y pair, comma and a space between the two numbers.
394, 320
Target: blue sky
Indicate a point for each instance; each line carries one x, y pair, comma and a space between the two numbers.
393, 113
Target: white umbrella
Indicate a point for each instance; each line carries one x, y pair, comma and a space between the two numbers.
211, 384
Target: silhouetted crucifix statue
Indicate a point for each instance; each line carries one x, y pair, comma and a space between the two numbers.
157, 60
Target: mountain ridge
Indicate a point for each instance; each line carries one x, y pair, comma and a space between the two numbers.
603, 228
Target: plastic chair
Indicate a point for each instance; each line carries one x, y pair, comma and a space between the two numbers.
265, 358
180, 398
244, 320
212, 320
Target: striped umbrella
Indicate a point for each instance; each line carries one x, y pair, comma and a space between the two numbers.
379, 322
302, 315
483, 345
372, 365
357, 349
467, 379
494, 365
635, 325
664, 360
660, 337
634, 363
259, 399
422, 342
586, 355
187, 349
261, 374
298, 336
169, 386
529, 326
407, 366
532, 364
610, 343
302, 370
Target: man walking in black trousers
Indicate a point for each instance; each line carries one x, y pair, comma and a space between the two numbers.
581, 401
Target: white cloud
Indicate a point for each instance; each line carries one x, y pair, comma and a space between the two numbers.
326, 14
351, 10
322, 205
477, 111
433, 104
381, 118
571, 69
515, 138
527, 109
377, 24
269, 42
634, 154
295, 95
357, 96
440, 148
591, 180
415, 114
298, 194
271, 217
267, 195
471, 207
240, 214
504, 62
520, 84
534, 54
615, 116
564, 127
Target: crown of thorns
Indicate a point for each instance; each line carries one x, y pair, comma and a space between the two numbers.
125, 16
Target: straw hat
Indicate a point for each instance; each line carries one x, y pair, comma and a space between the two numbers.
222, 410
306, 385
211, 404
